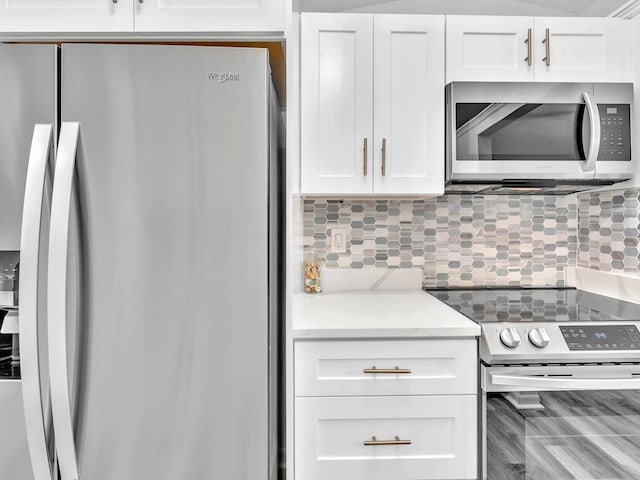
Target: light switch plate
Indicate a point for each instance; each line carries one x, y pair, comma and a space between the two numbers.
338, 240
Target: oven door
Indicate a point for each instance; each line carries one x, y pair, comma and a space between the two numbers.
561, 422
531, 131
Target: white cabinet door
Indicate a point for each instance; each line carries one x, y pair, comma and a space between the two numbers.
209, 15
408, 123
582, 49
51, 16
330, 436
489, 49
336, 103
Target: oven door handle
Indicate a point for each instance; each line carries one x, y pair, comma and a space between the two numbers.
594, 137
565, 383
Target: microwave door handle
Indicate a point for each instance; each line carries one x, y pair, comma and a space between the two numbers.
594, 138
565, 383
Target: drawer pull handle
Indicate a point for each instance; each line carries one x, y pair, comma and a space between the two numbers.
394, 370
374, 441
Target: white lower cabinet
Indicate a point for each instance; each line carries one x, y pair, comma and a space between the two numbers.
386, 409
384, 438
425, 367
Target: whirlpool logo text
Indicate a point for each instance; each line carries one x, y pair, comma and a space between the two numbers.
222, 77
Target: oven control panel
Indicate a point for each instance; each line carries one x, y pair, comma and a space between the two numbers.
601, 337
559, 342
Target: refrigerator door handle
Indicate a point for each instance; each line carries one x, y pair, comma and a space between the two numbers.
57, 300
29, 292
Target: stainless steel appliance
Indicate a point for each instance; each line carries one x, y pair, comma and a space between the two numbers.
528, 137
560, 379
149, 290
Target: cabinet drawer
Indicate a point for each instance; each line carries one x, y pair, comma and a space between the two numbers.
430, 367
330, 435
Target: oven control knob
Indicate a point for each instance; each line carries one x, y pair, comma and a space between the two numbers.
539, 337
510, 337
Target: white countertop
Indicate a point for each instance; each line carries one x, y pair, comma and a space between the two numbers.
371, 314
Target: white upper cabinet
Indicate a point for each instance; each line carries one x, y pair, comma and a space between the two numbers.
489, 49
336, 103
51, 16
408, 122
372, 111
515, 49
90, 16
582, 49
209, 15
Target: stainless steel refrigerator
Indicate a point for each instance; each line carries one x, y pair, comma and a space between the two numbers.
149, 271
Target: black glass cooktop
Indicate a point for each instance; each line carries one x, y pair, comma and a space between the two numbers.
536, 305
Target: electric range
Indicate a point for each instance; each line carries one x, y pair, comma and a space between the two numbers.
549, 325
560, 383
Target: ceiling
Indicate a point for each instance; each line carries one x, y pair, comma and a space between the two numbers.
555, 8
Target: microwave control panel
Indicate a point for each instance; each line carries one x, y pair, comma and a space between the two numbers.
615, 132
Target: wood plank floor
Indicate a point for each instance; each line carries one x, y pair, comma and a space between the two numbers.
578, 436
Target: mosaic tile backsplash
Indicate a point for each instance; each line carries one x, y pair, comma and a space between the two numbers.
466, 240
459, 240
608, 231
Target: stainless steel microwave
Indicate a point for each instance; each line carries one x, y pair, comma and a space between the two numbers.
537, 134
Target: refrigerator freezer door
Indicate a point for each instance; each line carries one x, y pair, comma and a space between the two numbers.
28, 97
171, 376
14, 457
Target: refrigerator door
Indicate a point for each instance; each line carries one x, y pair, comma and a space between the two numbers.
14, 458
28, 97
168, 272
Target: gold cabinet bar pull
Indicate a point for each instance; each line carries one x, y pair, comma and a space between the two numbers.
394, 370
364, 159
528, 42
547, 48
374, 441
384, 157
